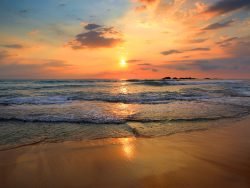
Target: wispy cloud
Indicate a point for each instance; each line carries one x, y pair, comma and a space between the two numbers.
149, 69
218, 25
144, 64
227, 41
14, 46
134, 60
169, 52
199, 40
225, 6
17, 68
55, 63
33, 32
3, 54
197, 49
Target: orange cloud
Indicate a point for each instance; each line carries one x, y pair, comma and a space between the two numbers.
147, 1
141, 8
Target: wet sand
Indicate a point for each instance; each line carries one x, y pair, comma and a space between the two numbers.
218, 157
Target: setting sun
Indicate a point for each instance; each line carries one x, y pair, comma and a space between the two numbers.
123, 63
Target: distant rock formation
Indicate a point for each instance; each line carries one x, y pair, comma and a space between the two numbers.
187, 78
175, 78
167, 78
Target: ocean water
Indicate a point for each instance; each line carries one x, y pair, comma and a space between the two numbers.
34, 111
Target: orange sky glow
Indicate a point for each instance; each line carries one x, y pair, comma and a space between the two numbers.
129, 39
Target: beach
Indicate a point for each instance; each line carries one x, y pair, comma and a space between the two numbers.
125, 94
218, 157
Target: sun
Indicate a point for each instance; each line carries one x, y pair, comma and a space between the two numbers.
123, 63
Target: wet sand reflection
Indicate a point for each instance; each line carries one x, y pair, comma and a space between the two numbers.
128, 148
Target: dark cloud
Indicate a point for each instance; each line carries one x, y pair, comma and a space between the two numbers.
144, 64
97, 37
225, 6
200, 40
134, 60
197, 49
147, 67
56, 63
92, 26
15, 46
169, 52
218, 25
24, 11
150, 69
62, 4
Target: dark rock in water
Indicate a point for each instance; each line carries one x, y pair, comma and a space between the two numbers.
133, 80
207, 78
175, 78
166, 78
187, 78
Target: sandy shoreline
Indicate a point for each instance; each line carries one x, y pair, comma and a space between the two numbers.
219, 157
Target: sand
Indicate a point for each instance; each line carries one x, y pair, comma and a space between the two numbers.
218, 157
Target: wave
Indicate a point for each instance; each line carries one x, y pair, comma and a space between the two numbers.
74, 81
181, 82
109, 119
57, 97
65, 120
51, 87
133, 98
38, 100
69, 91
138, 98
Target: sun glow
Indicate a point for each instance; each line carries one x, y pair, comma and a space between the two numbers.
123, 63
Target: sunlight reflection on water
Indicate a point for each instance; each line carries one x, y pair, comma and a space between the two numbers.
123, 90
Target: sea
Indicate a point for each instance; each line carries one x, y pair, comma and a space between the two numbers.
48, 111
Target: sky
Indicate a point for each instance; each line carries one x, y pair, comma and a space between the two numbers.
124, 39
